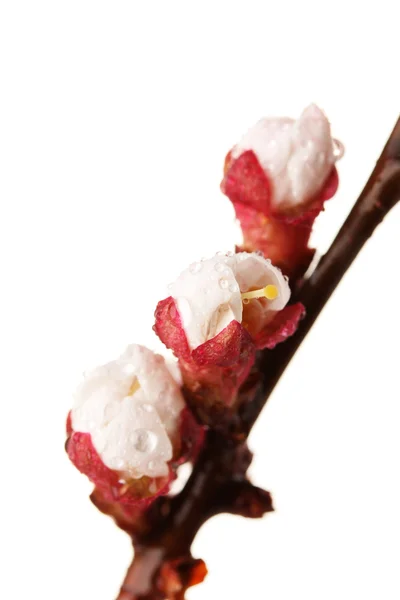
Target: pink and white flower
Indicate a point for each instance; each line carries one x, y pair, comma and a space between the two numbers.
220, 311
278, 178
126, 425
208, 294
297, 156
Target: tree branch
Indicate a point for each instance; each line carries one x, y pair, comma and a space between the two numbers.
163, 567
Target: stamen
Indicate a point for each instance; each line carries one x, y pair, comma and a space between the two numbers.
270, 292
124, 488
135, 386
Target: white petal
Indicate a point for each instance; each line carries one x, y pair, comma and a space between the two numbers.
312, 157
253, 271
135, 438
130, 431
207, 299
210, 298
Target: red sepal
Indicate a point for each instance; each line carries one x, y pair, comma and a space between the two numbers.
283, 325
246, 183
214, 371
168, 327
84, 456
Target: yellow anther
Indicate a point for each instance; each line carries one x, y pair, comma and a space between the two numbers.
135, 386
270, 292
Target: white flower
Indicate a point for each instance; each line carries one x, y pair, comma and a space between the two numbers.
297, 156
210, 294
130, 407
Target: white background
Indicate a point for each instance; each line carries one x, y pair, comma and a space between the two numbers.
114, 122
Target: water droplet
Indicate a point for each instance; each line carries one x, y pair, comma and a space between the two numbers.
223, 284
233, 287
230, 253
286, 278
148, 407
220, 253
207, 291
151, 466
195, 268
170, 286
219, 267
246, 300
143, 440
227, 272
338, 149
128, 369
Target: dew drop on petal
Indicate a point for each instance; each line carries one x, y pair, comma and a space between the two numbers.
195, 268
230, 253
143, 440
223, 283
219, 267
148, 407
128, 369
233, 287
246, 300
220, 253
338, 149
